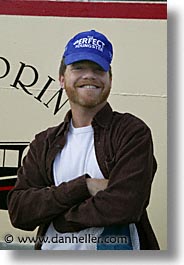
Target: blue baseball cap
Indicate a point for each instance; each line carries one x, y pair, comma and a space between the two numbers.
89, 45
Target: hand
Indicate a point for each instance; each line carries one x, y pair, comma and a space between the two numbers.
95, 185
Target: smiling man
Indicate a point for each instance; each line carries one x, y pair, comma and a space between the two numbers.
90, 91
87, 182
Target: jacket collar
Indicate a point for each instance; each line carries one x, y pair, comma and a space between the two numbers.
102, 118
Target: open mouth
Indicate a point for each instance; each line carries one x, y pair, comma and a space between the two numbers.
89, 87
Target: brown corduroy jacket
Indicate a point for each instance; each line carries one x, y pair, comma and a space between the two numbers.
124, 151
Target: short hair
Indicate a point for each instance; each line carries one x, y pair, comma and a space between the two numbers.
62, 68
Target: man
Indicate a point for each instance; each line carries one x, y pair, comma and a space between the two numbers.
88, 179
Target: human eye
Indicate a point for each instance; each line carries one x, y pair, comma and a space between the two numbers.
99, 70
77, 67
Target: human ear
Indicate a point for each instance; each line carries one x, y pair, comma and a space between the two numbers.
61, 80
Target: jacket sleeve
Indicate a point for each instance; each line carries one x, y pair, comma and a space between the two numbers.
33, 201
128, 191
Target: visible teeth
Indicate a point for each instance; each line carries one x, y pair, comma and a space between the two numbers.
89, 87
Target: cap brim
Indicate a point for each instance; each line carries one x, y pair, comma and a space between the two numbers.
76, 57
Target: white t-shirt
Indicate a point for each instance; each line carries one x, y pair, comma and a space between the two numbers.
76, 158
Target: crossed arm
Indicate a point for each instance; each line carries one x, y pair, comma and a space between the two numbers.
85, 202
96, 185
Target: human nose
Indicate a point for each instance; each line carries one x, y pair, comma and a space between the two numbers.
89, 73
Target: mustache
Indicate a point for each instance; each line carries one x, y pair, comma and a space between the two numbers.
87, 83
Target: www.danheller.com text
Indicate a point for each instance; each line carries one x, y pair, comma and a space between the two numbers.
72, 239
